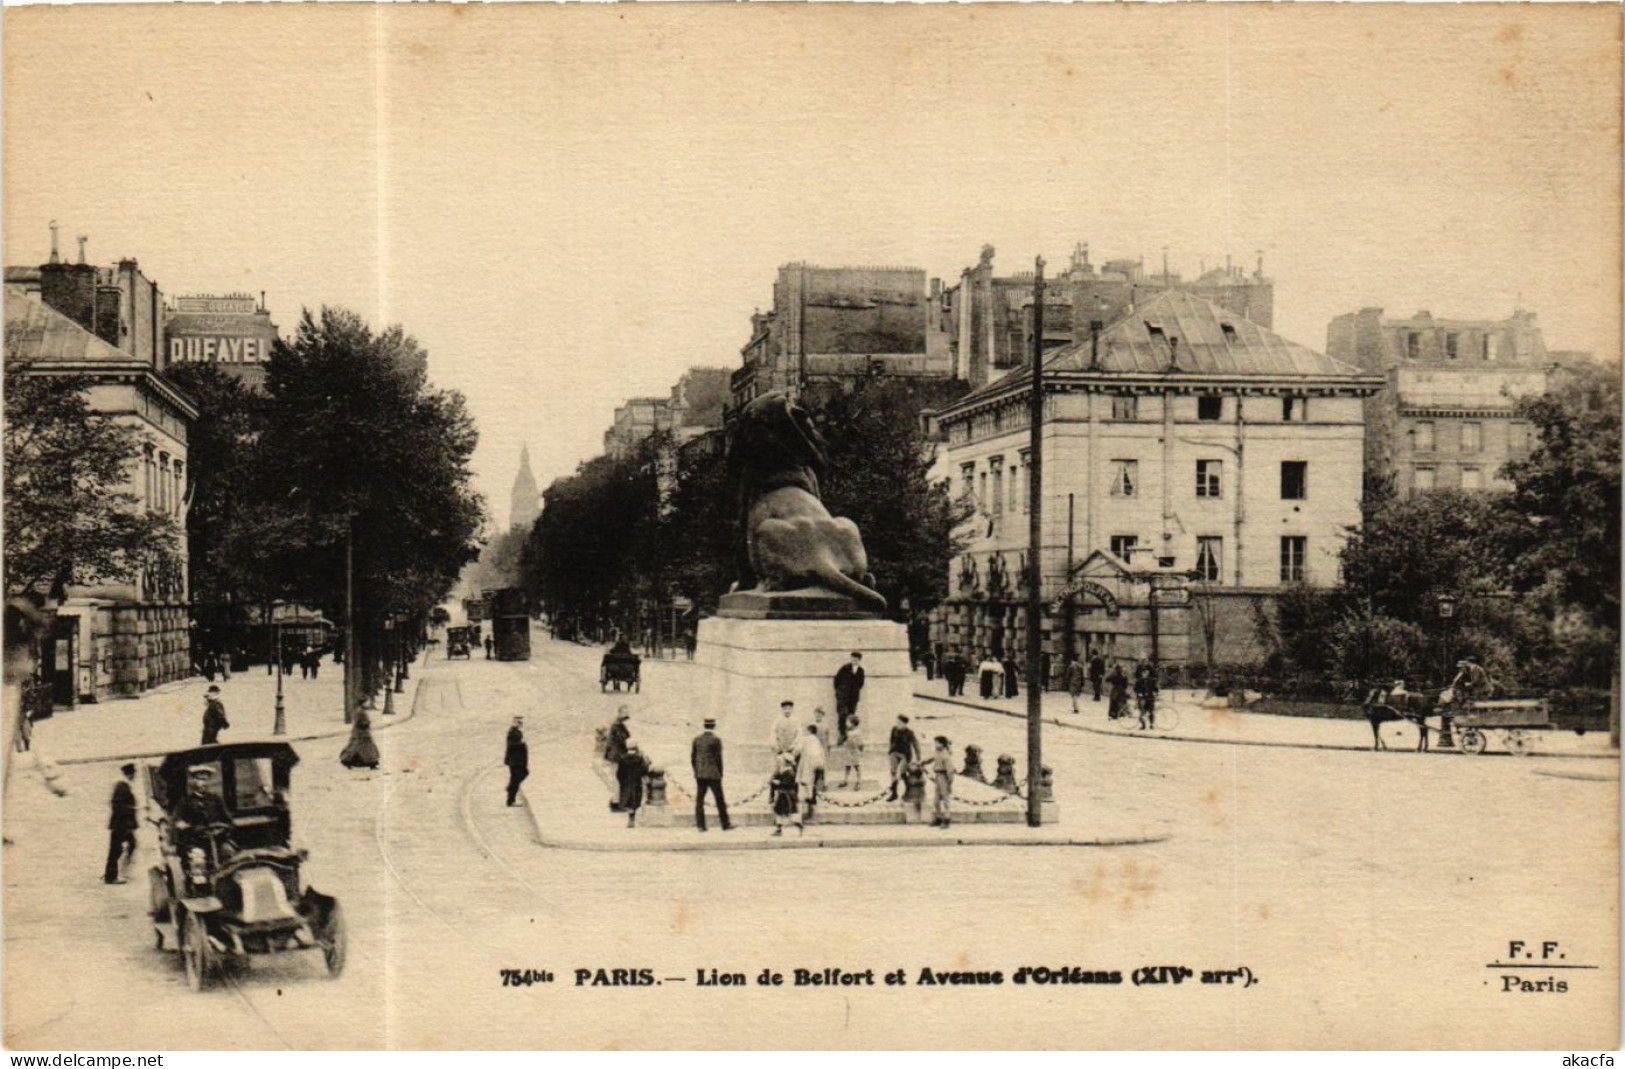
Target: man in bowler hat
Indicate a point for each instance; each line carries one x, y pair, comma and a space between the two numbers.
706, 756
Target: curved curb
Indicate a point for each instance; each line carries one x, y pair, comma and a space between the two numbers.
1166, 737
826, 844
395, 721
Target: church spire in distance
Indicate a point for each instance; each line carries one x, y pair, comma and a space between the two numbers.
526, 502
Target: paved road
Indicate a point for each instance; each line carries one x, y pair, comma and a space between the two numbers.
1362, 890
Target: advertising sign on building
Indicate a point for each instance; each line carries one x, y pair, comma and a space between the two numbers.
234, 331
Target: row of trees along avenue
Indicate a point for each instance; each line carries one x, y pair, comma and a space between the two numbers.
349, 462
608, 542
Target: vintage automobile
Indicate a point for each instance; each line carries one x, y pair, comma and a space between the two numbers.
457, 642
229, 884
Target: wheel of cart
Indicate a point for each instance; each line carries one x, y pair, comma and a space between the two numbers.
1472, 741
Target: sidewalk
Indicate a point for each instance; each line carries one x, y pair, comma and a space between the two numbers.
568, 795
170, 717
1195, 721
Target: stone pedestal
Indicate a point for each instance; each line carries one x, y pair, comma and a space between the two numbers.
753, 662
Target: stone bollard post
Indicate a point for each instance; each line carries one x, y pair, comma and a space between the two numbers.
1005, 779
656, 811
913, 794
1046, 784
973, 764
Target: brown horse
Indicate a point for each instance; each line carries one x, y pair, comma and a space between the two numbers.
1385, 705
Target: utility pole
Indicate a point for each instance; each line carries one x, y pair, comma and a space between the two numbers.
350, 679
1035, 571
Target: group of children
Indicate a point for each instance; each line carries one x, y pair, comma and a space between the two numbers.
798, 776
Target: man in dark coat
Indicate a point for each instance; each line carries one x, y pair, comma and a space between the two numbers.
121, 826
848, 688
706, 757
214, 718
1012, 675
614, 750
517, 758
1097, 672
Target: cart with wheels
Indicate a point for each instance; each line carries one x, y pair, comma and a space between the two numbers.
1513, 718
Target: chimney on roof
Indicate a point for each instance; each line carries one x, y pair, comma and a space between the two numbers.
1260, 264
1165, 263
55, 258
1173, 353
262, 300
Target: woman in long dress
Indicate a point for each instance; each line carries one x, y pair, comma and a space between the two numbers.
361, 752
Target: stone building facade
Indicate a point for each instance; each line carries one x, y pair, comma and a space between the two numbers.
1446, 417
1187, 448
834, 324
115, 639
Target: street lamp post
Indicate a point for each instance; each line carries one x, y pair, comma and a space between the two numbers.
389, 652
281, 725
1447, 617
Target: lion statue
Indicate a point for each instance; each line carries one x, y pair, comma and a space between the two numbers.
790, 541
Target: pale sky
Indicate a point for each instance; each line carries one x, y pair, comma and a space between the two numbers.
568, 206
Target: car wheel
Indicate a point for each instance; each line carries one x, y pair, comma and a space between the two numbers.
196, 953
334, 940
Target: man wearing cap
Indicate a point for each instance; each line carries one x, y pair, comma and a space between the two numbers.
214, 718
121, 827
201, 806
786, 732
706, 757
848, 689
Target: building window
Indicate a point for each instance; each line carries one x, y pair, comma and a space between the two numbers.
1294, 480
1123, 545
1026, 481
1293, 550
997, 464
1015, 488
1425, 479
1424, 436
1472, 478
1210, 406
1451, 343
967, 475
1413, 345
1472, 437
1294, 409
1125, 406
1125, 478
1209, 478
981, 489
1209, 558
1489, 346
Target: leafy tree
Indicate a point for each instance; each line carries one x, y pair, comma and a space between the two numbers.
1566, 496
70, 515
879, 476
359, 451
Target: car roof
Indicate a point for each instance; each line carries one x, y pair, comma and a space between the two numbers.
181, 760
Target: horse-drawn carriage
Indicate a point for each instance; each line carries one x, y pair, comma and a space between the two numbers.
1474, 719
620, 665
